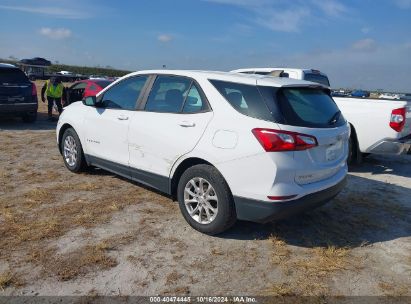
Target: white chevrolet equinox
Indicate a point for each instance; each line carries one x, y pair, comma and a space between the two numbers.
226, 146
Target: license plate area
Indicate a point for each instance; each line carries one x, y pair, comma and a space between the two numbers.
334, 151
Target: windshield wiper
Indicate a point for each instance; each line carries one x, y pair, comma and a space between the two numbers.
334, 119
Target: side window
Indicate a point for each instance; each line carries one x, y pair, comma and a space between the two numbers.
246, 99
168, 94
124, 95
194, 103
92, 87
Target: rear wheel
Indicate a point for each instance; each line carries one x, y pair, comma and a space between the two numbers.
72, 151
205, 200
354, 153
29, 117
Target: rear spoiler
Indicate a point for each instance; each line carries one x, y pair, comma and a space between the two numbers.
311, 86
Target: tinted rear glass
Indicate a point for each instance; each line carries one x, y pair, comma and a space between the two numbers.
304, 107
318, 78
307, 107
12, 76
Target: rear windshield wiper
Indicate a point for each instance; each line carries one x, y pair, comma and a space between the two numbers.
334, 119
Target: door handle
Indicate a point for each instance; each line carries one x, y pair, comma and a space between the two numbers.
122, 117
187, 124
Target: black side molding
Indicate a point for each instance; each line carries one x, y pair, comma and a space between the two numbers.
158, 182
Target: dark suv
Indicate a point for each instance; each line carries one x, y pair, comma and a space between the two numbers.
18, 96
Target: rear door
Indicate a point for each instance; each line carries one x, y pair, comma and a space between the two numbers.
15, 87
169, 125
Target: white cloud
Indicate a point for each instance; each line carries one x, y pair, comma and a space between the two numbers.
282, 15
49, 10
331, 8
403, 4
282, 21
365, 45
57, 33
365, 30
164, 38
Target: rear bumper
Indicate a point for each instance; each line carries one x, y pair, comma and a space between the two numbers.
18, 108
392, 146
262, 212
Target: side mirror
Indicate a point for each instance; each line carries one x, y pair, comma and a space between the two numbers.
90, 101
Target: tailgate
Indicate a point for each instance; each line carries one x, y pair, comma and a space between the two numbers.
15, 93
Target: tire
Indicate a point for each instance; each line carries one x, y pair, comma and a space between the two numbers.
29, 117
210, 222
72, 151
354, 153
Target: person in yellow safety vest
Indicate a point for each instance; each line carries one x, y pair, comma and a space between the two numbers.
54, 90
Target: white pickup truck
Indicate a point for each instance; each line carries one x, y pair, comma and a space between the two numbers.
377, 126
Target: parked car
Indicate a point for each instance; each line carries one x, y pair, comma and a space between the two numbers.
226, 146
378, 126
360, 94
67, 73
18, 96
338, 94
406, 97
389, 96
84, 88
303, 74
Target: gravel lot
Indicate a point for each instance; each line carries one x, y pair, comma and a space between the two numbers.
98, 234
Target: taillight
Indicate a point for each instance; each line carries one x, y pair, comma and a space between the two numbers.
33, 89
275, 140
397, 120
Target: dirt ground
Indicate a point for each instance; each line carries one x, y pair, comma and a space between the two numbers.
98, 234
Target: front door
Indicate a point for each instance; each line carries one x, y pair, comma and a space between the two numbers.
108, 124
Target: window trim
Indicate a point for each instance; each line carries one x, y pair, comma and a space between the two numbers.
206, 109
138, 100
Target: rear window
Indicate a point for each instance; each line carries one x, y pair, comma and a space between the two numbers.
304, 107
12, 76
318, 78
307, 107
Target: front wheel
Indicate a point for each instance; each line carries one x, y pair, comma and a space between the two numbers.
72, 151
205, 200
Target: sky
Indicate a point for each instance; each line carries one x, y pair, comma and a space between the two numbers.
358, 43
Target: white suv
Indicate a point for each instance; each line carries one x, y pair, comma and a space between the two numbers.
227, 146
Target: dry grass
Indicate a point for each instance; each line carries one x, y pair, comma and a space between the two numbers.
393, 290
324, 261
173, 278
282, 289
69, 266
39, 195
182, 290
280, 250
81, 261
33, 217
308, 270
9, 279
